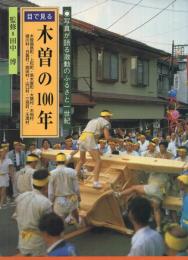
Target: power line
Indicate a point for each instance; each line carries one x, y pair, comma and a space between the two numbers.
178, 29
151, 7
138, 27
91, 7
162, 43
116, 21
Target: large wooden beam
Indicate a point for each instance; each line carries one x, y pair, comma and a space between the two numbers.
100, 207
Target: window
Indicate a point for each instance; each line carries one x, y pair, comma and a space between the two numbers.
139, 72
163, 79
107, 66
123, 70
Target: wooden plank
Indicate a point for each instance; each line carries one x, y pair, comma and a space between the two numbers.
155, 165
172, 203
77, 232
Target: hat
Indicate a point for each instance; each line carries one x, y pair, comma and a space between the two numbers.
155, 139
182, 150
60, 157
32, 158
111, 142
174, 242
105, 113
183, 178
5, 145
102, 141
40, 178
16, 142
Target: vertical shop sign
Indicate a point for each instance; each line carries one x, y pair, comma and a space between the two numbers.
67, 65
13, 41
39, 72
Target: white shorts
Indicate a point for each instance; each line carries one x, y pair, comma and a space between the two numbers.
88, 144
153, 192
4, 180
64, 206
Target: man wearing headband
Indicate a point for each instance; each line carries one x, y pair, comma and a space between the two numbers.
182, 154
143, 144
176, 240
88, 142
6, 147
155, 190
24, 177
151, 151
172, 147
30, 207
64, 189
183, 183
156, 141
129, 146
102, 146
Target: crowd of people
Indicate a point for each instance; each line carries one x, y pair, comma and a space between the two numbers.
47, 193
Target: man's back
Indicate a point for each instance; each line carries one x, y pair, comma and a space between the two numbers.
64, 181
147, 242
30, 206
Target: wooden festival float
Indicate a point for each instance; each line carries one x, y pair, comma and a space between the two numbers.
99, 207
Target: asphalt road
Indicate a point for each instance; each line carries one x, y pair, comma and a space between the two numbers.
97, 242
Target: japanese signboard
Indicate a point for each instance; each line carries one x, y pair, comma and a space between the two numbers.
13, 42
67, 68
39, 72
5, 90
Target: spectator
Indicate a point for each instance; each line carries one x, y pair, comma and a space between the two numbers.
182, 154
52, 228
146, 241
129, 149
156, 141
172, 145
151, 152
164, 154
102, 146
143, 143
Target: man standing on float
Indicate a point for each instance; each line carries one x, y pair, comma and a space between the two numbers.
88, 143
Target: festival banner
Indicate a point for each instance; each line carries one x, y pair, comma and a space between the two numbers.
39, 72
67, 61
13, 41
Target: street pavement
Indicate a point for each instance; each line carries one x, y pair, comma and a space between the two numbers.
98, 241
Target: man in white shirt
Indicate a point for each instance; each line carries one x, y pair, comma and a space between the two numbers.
30, 207
63, 189
25, 175
146, 241
182, 154
172, 148
88, 143
143, 144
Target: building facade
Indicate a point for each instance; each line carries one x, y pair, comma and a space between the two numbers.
109, 71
